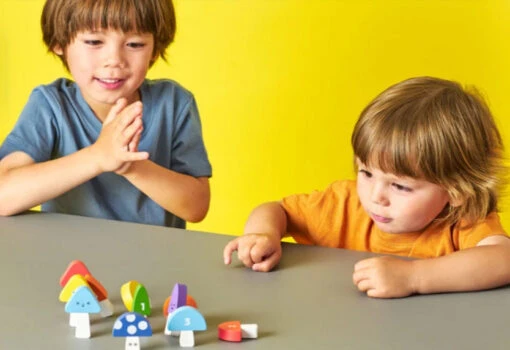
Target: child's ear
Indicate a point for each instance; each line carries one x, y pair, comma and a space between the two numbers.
154, 58
57, 50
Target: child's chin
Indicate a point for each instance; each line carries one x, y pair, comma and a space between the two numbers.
395, 231
387, 228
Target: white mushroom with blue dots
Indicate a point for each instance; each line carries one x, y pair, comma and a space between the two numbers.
132, 326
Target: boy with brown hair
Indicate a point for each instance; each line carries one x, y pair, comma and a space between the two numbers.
110, 144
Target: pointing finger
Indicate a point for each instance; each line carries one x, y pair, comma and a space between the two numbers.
229, 249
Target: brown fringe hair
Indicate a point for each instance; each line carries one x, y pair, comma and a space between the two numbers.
61, 20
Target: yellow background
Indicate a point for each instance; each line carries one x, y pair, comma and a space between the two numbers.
280, 83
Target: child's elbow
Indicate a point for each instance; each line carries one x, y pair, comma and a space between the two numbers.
6, 213
8, 205
7, 210
197, 214
198, 207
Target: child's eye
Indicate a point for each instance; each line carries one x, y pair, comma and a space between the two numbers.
402, 188
136, 45
92, 42
366, 173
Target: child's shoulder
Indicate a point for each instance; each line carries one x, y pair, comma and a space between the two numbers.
336, 191
343, 186
467, 235
57, 93
165, 87
56, 87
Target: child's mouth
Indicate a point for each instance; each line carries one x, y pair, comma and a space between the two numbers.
110, 84
381, 219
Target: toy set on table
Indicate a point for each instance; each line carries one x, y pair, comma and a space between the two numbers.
84, 295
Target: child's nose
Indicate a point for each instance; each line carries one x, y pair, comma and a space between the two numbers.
113, 57
378, 195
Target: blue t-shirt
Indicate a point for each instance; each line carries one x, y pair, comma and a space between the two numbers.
57, 121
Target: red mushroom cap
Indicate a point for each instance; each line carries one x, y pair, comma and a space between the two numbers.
75, 267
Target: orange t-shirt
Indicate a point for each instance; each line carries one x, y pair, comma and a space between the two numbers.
335, 218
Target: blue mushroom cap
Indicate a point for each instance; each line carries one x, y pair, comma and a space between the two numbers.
83, 301
186, 318
132, 324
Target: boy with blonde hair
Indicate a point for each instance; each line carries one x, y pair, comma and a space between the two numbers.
429, 161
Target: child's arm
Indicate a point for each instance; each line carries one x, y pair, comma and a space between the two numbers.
183, 195
25, 184
260, 248
483, 267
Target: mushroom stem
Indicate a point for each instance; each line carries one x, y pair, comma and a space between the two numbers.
187, 339
106, 308
132, 343
82, 330
72, 319
250, 331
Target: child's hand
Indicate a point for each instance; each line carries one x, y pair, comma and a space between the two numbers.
259, 251
117, 145
385, 277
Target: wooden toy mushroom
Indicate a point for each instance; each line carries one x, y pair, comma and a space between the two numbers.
132, 325
78, 268
102, 296
75, 267
190, 301
135, 298
141, 301
187, 320
82, 303
234, 331
66, 293
177, 299
127, 290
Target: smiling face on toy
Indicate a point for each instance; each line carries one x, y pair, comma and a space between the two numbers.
83, 301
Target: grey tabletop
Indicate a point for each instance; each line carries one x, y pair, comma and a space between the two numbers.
308, 302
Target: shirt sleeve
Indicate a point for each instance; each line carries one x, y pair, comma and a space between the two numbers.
35, 130
317, 218
469, 237
189, 155
297, 208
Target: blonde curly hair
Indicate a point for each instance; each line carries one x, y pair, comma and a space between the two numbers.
436, 130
